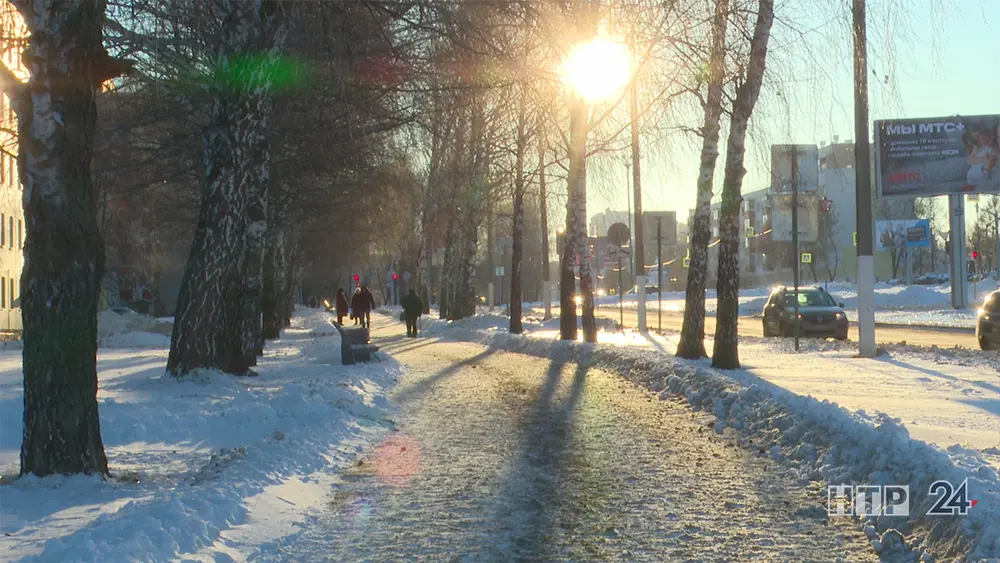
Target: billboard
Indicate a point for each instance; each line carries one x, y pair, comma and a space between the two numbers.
937, 156
669, 228
781, 218
807, 163
901, 233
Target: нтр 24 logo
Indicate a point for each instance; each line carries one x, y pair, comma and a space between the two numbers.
951, 501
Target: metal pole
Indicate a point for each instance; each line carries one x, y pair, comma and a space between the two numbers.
863, 189
795, 238
621, 307
659, 274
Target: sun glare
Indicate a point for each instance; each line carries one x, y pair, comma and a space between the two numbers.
597, 70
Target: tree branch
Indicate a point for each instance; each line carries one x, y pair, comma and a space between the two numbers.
10, 85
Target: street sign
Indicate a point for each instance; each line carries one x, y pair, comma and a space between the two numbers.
619, 234
687, 262
825, 205
807, 258
855, 238
499, 271
619, 251
407, 276
749, 232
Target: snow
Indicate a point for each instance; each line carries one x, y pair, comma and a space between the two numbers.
789, 407
208, 468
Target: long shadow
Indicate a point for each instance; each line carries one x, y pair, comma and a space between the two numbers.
991, 406
402, 348
934, 373
656, 343
539, 476
417, 390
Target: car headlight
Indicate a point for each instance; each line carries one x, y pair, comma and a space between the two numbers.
839, 316
578, 300
799, 316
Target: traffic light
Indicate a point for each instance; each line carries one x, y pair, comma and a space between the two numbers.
975, 255
395, 277
356, 277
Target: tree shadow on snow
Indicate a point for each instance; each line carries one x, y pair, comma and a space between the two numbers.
539, 486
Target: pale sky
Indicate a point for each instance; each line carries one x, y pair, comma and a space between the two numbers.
927, 58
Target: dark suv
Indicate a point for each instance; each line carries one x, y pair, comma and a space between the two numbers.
819, 314
988, 322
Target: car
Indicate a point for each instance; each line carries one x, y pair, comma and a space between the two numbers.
819, 314
988, 322
122, 310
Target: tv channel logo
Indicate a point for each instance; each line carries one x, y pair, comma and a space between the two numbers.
894, 500
868, 500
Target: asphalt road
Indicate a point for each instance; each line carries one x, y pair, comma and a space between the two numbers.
753, 327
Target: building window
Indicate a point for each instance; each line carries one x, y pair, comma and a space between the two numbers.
10, 222
3, 293
3, 239
20, 235
13, 304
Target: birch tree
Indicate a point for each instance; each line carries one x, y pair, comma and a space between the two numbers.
64, 251
692, 340
726, 351
211, 327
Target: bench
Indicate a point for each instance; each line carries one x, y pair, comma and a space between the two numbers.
356, 345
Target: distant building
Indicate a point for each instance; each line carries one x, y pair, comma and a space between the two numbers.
12, 29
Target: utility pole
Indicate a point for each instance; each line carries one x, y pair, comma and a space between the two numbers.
659, 274
795, 238
863, 189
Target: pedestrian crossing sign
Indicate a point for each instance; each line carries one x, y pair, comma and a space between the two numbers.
687, 262
807, 258
749, 232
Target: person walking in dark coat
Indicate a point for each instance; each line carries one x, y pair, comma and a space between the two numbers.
413, 307
342, 306
366, 302
356, 306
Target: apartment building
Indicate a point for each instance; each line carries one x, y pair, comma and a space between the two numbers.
12, 34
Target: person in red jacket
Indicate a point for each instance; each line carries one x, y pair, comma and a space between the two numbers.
342, 306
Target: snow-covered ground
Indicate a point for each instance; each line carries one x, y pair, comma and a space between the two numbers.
916, 304
209, 468
898, 419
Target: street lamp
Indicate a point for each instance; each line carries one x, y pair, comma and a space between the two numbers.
595, 70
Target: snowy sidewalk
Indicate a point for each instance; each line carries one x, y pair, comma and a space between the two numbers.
505, 457
820, 440
208, 468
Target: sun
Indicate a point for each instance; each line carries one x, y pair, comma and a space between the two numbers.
597, 70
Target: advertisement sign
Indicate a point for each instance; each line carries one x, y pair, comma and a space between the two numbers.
937, 156
668, 230
807, 163
781, 218
902, 233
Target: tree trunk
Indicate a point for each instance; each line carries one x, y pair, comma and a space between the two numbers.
255, 236
726, 351
274, 300
209, 329
517, 244
692, 341
576, 232
464, 302
64, 251
544, 209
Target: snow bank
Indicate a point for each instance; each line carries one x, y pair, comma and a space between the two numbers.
190, 458
818, 439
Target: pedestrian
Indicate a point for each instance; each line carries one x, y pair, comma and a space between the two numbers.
356, 306
413, 307
367, 304
341, 305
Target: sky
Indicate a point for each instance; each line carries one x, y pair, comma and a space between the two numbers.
927, 58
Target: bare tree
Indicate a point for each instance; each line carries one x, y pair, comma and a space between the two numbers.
692, 340
726, 352
64, 253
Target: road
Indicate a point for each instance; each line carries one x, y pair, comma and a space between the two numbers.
753, 327
499, 456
